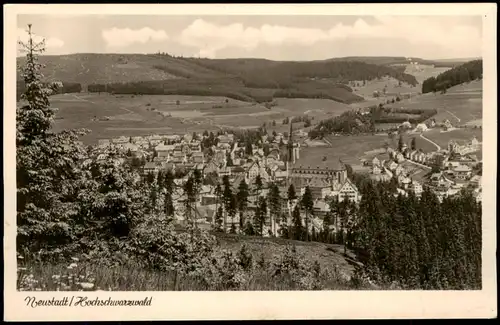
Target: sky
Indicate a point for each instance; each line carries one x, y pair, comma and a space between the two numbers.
282, 37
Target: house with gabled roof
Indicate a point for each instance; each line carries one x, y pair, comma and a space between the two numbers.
462, 172
168, 166
121, 140
151, 167
416, 188
475, 180
320, 187
348, 191
164, 150
211, 167
170, 138
404, 181
399, 157
321, 208
391, 165
155, 139
253, 170
399, 170
178, 157
197, 157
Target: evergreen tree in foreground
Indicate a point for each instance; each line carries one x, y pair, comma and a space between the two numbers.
307, 204
242, 198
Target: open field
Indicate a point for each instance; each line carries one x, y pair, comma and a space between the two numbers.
350, 149
141, 115
460, 105
422, 71
392, 88
459, 135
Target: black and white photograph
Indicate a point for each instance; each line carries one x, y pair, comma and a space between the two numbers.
207, 151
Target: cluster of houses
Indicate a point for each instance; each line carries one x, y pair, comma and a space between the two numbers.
394, 167
231, 158
456, 166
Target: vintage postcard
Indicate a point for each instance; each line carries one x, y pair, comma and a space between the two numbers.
178, 162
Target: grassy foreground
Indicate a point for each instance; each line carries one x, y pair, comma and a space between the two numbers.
240, 263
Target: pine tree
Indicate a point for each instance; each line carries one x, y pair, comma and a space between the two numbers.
189, 194
274, 201
242, 198
291, 195
298, 229
229, 160
197, 183
258, 184
413, 143
307, 203
248, 148
231, 209
400, 143
260, 216
35, 117
218, 219
227, 195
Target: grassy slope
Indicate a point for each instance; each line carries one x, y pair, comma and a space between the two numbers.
106, 68
129, 276
328, 255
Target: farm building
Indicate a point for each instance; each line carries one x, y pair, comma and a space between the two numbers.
421, 127
405, 125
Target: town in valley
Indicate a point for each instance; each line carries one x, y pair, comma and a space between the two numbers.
166, 159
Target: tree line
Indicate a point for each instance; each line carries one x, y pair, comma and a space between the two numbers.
228, 87
350, 122
64, 88
466, 72
286, 74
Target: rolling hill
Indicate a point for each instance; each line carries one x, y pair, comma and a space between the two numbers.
463, 73
243, 79
397, 60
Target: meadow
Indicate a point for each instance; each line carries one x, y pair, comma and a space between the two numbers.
349, 149
116, 115
460, 104
462, 136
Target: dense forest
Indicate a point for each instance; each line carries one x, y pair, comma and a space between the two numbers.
285, 74
387, 114
350, 122
66, 87
421, 243
353, 122
463, 73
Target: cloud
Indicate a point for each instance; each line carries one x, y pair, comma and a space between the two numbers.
50, 43
118, 37
451, 35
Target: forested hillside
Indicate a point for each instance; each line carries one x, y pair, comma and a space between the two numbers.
463, 73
